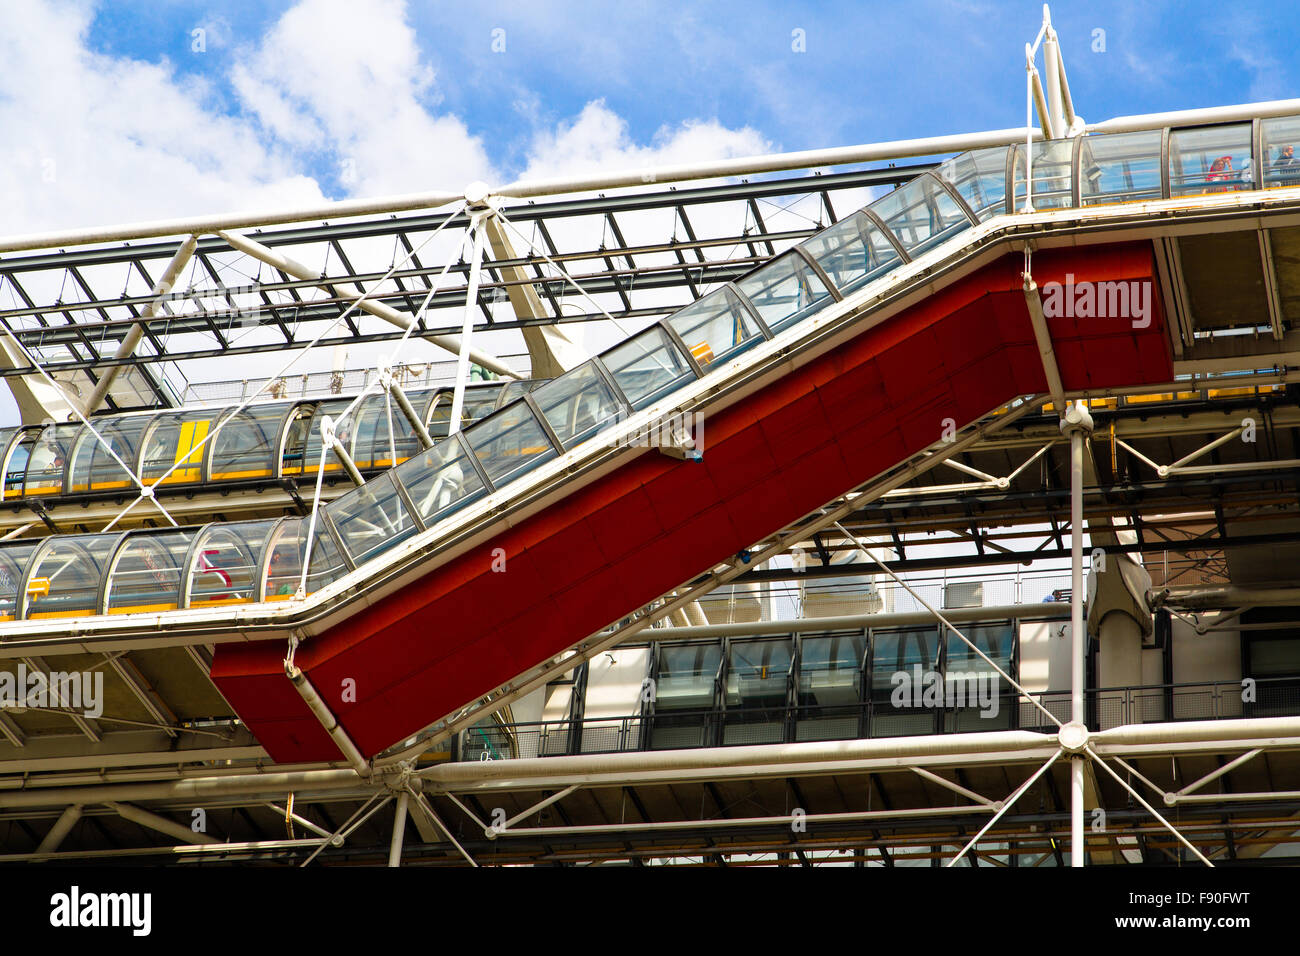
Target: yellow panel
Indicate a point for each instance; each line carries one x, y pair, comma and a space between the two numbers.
231, 475
220, 602
142, 609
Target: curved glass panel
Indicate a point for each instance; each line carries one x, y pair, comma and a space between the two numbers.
246, 445
512, 390
343, 429
1278, 138
578, 404
715, 327
509, 442
284, 566
13, 562
440, 480
478, 402
49, 457
1120, 167
146, 574
1213, 159
227, 562
1053, 175
647, 366
852, 252
178, 440
785, 291
980, 178
65, 579
16, 469
373, 447
7, 437
93, 467
921, 214
295, 440
372, 518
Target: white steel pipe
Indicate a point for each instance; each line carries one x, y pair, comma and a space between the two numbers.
62, 827
161, 824
399, 829
467, 330
749, 165
135, 333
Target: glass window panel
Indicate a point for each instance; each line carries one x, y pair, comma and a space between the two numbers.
49, 456
13, 562
65, 580
284, 569
147, 572
93, 468
903, 661
1210, 160
980, 698
227, 562
980, 178
921, 214
1281, 165
577, 404
1053, 175
371, 518
246, 446
785, 291
509, 442
440, 479
648, 366
687, 676
178, 439
715, 327
852, 252
1120, 167
758, 672
830, 669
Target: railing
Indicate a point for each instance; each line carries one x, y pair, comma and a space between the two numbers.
736, 726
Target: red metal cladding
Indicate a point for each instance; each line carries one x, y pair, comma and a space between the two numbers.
608, 548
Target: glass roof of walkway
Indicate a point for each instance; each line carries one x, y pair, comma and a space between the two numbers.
243, 562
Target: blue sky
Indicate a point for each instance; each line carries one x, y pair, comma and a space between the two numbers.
870, 71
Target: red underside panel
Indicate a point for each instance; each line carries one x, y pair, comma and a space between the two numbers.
606, 549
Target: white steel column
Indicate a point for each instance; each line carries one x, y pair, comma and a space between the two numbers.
1077, 424
471, 305
399, 829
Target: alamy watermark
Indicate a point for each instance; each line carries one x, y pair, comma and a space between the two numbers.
1120, 299
81, 691
917, 688
681, 434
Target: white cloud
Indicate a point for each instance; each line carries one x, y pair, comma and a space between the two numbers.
598, 140
95, 139
92, 139
349, 79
